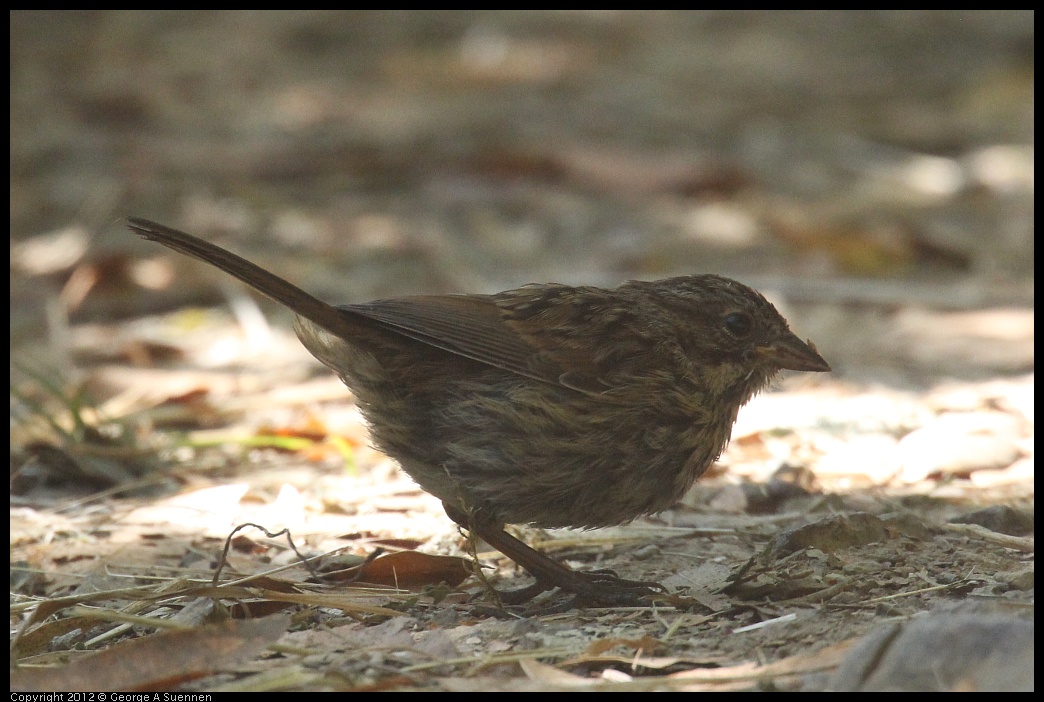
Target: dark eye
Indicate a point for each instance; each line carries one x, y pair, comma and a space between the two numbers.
738, 324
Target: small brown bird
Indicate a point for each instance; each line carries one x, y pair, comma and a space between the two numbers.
548, 405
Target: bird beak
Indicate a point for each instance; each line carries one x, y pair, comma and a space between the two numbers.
792, 353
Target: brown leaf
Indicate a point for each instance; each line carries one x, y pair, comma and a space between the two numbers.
409, 569
158, 662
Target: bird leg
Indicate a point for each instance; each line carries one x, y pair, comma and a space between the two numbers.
595, 587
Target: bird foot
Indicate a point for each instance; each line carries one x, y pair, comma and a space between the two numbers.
590, 588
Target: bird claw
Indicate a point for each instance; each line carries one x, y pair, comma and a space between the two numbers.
607, 589
590, 588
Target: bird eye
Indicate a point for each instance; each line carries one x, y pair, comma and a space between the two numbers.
738, 324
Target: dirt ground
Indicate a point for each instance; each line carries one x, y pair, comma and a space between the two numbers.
870, 172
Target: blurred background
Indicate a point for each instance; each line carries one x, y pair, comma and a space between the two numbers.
872, 172
869, 172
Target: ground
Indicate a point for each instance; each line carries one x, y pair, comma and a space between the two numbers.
870, 172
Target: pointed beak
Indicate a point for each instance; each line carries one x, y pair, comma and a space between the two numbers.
792, 353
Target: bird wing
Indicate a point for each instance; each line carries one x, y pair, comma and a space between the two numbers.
573, 337
471, 326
